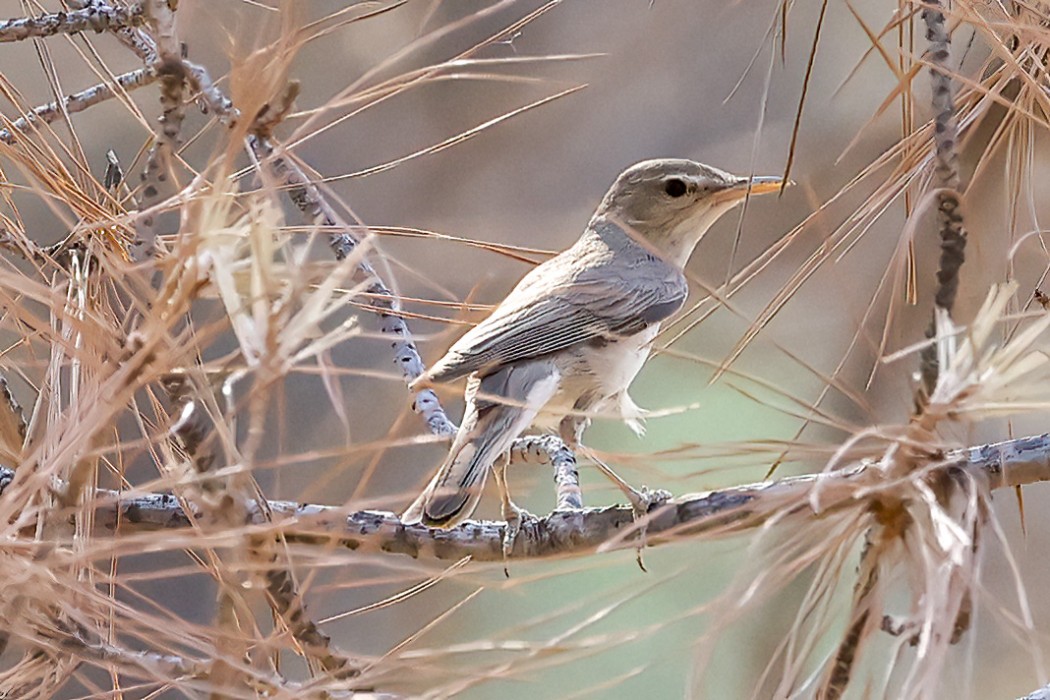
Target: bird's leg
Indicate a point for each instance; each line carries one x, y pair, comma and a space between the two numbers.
512, 514
642, 501
571, 428
571, 431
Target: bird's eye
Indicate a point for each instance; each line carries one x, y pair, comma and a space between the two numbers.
675, 188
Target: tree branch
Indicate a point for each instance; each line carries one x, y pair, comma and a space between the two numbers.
946, 166
568, 532
308, 199
78, 101
97, 19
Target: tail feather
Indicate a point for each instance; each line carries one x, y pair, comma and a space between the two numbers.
487, 432
453, 493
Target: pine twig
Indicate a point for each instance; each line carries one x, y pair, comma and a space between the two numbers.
78, 102
98, 18
140, 42
308, 199
949, 215
1001, 465
550, 449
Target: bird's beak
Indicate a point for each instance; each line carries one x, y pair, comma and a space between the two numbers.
759, 184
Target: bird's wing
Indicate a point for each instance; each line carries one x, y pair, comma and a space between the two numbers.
556, 306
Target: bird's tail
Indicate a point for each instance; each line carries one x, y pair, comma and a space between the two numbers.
486, 434
453, 493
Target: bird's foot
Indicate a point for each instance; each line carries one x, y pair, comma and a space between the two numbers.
515, 518
642, 501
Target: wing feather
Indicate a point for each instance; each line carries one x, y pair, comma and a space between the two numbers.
565, 301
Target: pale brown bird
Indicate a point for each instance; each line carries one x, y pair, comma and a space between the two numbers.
569, 339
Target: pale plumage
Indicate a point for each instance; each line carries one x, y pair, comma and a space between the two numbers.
569, 339
605, 286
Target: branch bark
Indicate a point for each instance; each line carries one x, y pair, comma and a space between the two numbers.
573, 532
78, 102
96, 19
946, 167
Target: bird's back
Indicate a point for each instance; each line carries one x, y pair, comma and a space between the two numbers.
605, 286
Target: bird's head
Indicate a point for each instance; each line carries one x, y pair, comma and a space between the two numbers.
670, 203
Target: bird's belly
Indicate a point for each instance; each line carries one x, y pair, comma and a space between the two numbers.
594, 375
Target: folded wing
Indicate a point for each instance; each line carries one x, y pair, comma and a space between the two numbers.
560, 304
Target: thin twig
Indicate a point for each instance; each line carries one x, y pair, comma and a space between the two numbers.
79, 101
140, 42
97, 18
308, 199
211, 98
949, 215
550, 449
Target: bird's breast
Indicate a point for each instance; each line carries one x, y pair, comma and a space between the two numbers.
593, 374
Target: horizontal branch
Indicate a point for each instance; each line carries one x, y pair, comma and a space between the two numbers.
1005, 464
96, 19
138, 40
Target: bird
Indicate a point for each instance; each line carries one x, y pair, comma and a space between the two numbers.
568, 340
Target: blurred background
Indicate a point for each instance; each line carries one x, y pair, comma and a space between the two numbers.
699, 79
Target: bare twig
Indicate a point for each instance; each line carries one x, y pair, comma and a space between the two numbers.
211, 98
140, 43
308, 199
156, 175
949, 215
172, 71
550, 449
97, 18
78, 101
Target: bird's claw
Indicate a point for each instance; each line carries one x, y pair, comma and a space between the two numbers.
642, 501
515, 518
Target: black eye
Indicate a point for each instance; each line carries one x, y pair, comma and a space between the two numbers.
674, 187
